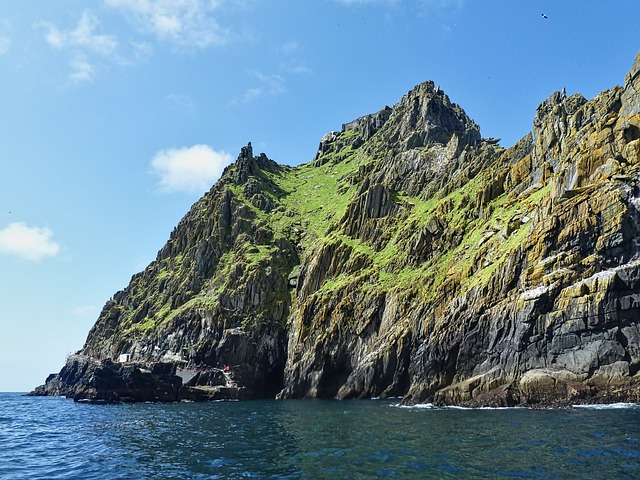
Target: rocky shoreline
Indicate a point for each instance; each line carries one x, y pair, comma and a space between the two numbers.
543, 388
86, 379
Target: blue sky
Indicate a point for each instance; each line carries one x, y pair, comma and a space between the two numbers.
118, 114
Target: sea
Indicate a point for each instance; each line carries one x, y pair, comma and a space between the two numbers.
56, 438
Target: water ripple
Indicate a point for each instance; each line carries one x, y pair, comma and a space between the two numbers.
54, 438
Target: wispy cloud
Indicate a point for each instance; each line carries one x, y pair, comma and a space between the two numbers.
6, 32
183, 102
184, 23
267, 85
291, 62
83, 43
81, 70
365, 2
272, 84
428, 4
5, 44
442, 4
290, 48
84, 310
84, 36
189, 169
30, 243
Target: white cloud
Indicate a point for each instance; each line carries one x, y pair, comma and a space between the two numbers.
186, 23
183, 102
290, 48
251, 94
84, 310
30, 243
81, 70
274, 84
299, 69
6, 31
189, 169
291, 64
5, 45
83, 43
83, 36
429, 4
365, 2
141, 50
442, 4
269, 85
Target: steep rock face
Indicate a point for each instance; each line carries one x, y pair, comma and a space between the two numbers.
217, 292
540, 303
568, 329
410, 257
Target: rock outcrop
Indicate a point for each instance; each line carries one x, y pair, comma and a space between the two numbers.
87, 379
410, 258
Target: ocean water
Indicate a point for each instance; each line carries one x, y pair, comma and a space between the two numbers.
55, 438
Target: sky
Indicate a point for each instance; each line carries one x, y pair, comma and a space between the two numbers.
117, 115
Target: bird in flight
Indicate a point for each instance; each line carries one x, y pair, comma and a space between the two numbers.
544, 15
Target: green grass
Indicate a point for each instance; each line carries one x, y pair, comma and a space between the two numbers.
315, 196
463, 263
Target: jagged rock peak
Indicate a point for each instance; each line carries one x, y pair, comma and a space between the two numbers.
246, 152
246, 164
634, 74
558, 105
365, 126
426, 115
369, 124
631, 95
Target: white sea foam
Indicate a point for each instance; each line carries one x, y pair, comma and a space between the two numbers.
608, 406
425, 405
431, 406
419, 406
454, 407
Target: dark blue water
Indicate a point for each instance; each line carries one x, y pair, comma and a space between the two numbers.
54, 438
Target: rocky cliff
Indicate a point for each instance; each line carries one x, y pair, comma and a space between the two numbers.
411, 257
